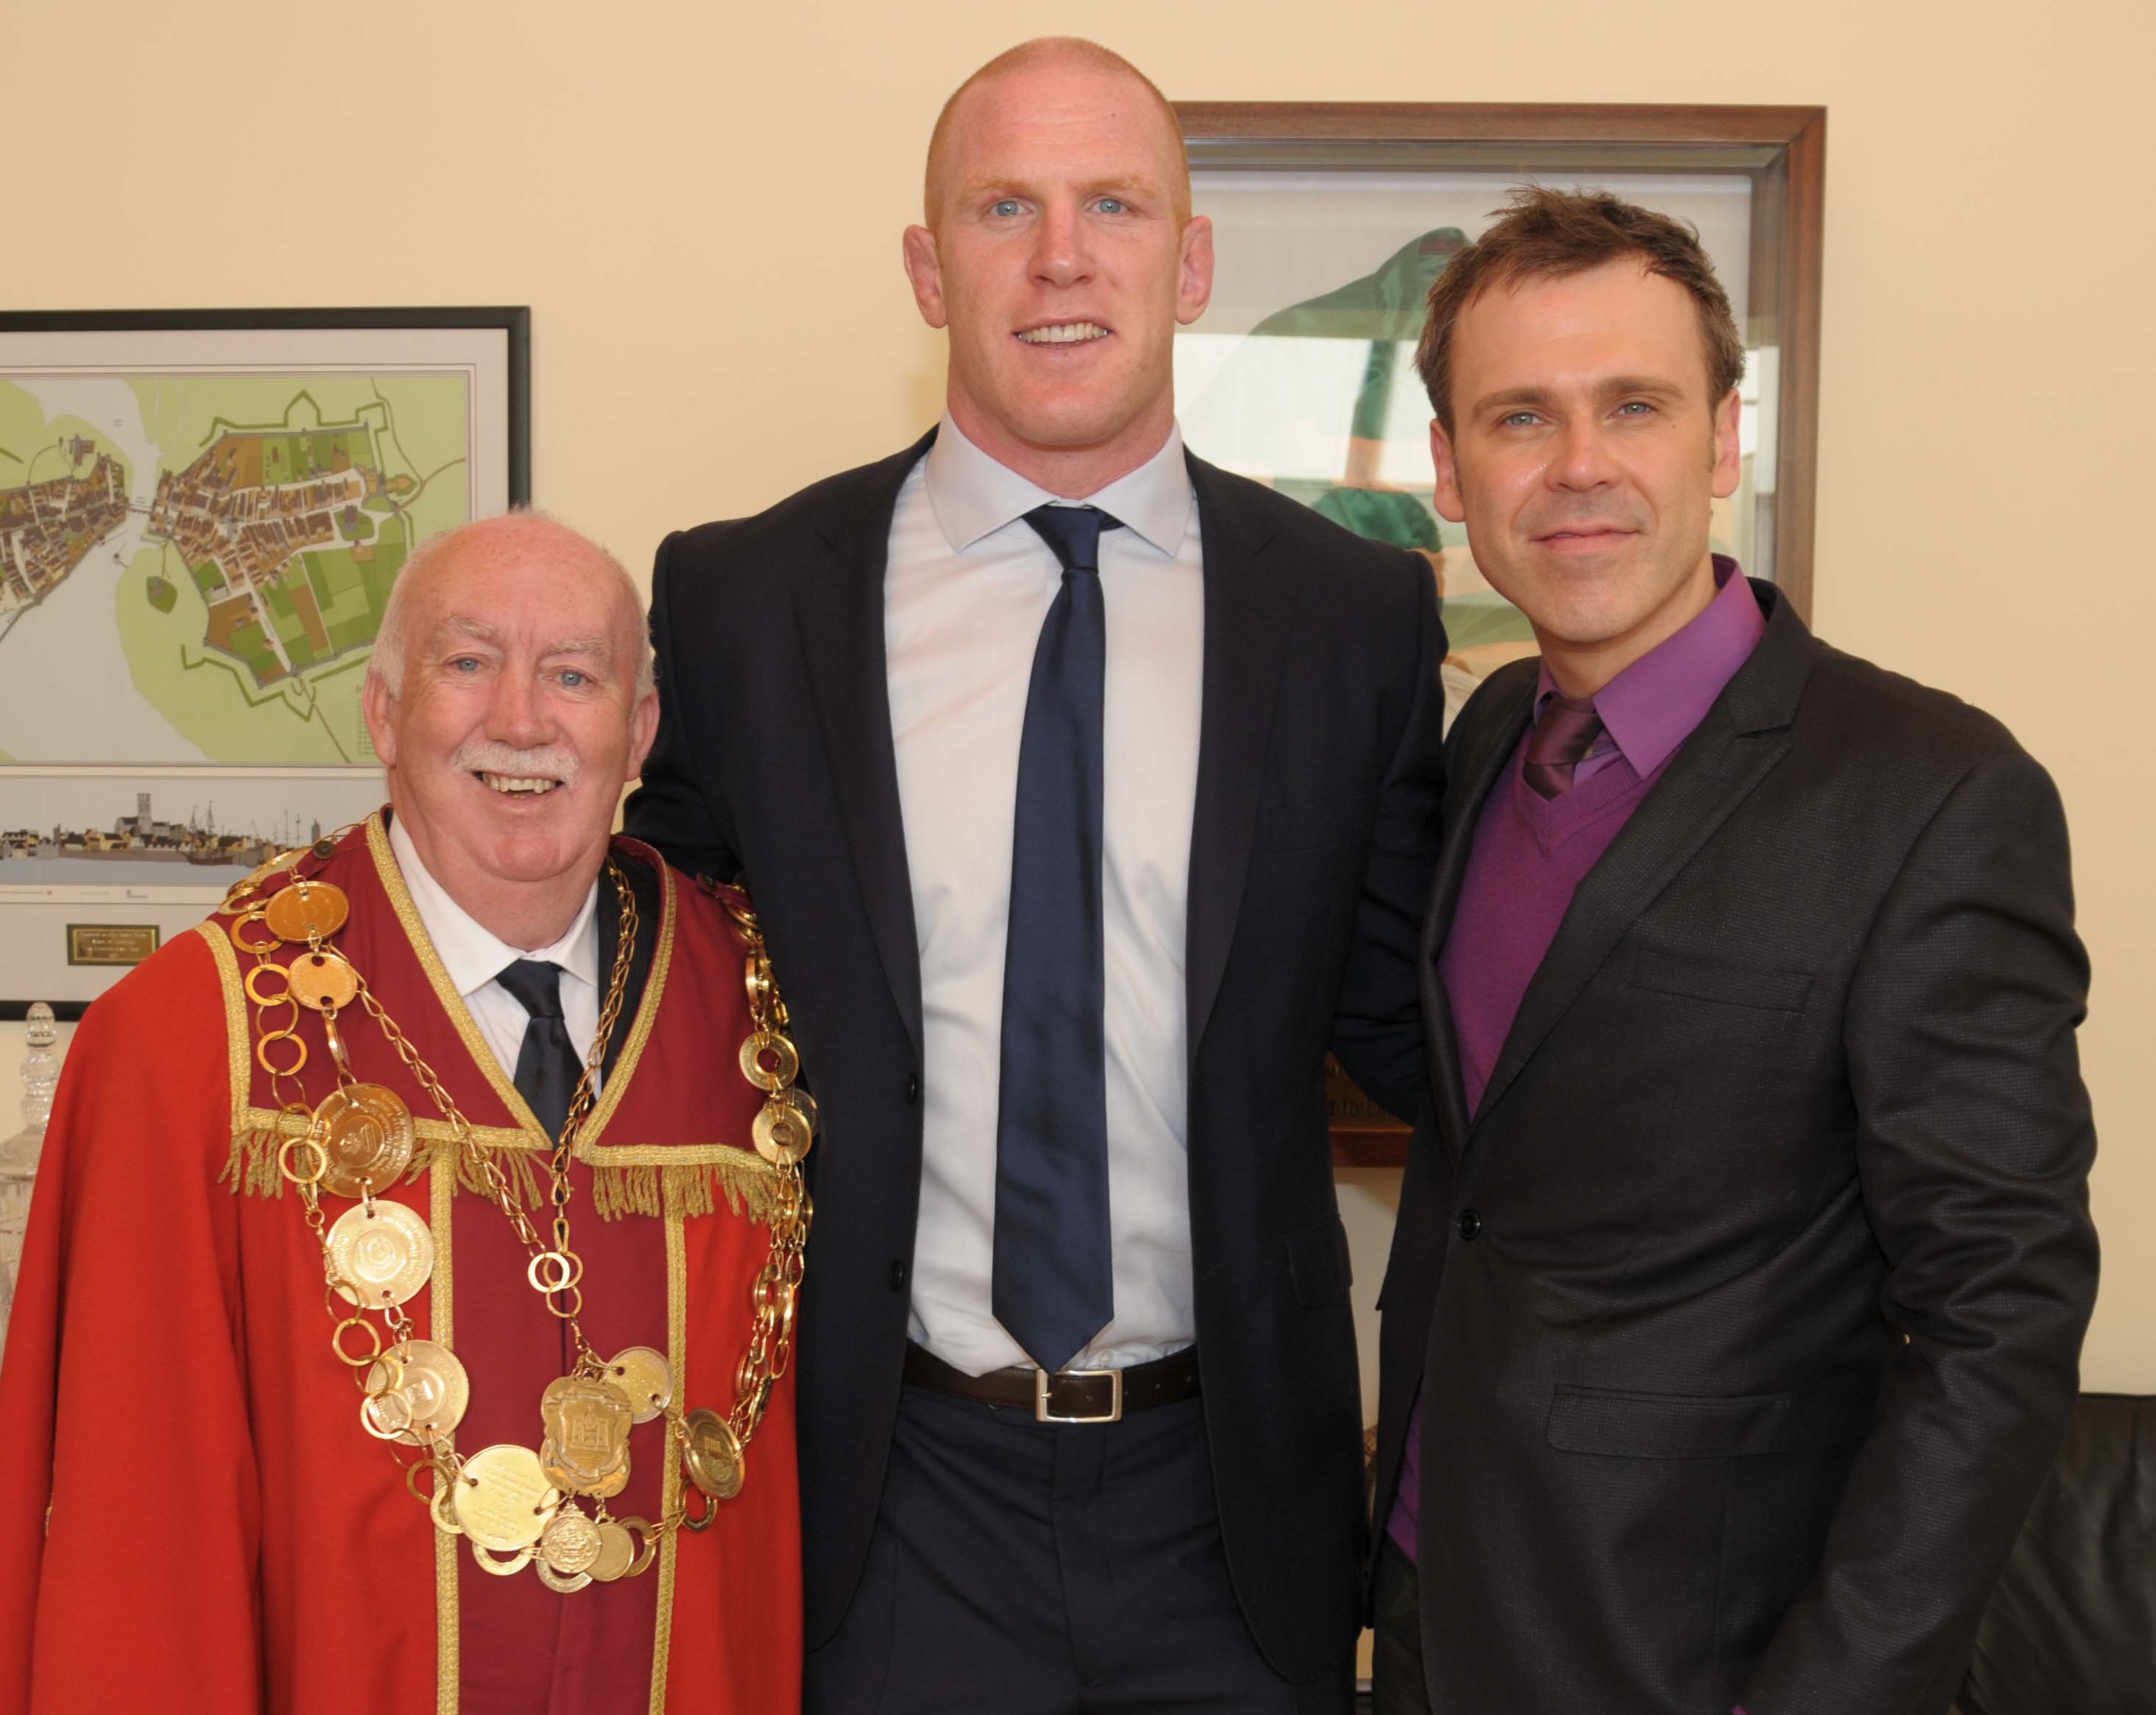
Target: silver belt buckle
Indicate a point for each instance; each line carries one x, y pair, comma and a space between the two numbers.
1114, 1413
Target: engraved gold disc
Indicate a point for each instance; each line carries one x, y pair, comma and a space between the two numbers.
564, 1586
429, 1387
803, 1103
572, 1543
366, 1132
323, 981
384, 1251
504, 1500
713, 1455
781, 1135
501, 1569
616, 1549
646, 1377
306, 910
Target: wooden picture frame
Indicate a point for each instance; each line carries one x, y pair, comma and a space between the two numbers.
1771, 159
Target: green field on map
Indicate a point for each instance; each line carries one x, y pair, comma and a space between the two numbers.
214, 553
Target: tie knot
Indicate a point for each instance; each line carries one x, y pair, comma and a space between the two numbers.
1073, 532
536, 985
1565, 731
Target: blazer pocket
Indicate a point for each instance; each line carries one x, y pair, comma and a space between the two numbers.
1732, 985
1319, 821
1318, 1263
1627, 1426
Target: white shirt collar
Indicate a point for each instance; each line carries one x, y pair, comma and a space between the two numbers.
472, 955
973, 495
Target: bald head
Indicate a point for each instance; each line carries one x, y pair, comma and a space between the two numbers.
527, 538
1044, 63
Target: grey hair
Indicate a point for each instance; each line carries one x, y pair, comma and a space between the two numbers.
392, 644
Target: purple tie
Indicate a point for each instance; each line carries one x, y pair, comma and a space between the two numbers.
1565, 731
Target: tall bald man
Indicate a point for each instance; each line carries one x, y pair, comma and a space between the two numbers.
1089, 794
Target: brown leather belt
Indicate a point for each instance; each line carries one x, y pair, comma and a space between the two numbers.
1067, 1395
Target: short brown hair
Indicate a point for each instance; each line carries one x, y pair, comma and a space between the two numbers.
1041, 50
1549, 234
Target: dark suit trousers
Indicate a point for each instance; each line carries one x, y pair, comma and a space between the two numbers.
1026, 1569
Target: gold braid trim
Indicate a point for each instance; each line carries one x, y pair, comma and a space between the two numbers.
626, 1179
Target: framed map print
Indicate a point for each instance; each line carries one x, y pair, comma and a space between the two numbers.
1331, 225
202, 516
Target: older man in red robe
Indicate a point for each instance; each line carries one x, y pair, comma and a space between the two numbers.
405, 1317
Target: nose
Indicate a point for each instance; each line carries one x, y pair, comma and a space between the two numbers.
1060, 256
518, 716
1583, 461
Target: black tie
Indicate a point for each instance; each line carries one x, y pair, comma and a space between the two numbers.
547, 1066
1054, 1283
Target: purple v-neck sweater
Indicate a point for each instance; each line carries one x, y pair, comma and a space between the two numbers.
1531, 853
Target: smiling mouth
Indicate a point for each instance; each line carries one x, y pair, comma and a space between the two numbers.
517, 785
1064, 333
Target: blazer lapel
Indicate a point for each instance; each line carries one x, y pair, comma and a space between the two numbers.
1471, 778
1743, 737
1248, 606
838, 608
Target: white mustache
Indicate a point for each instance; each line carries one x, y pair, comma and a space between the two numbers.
544, 761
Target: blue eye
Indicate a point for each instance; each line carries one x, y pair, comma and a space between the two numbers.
573, 678
464, 664
1114, 205
1009, 205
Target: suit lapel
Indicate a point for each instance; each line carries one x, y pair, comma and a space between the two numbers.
1744, 735
1248, 607
1471, 778
838, 608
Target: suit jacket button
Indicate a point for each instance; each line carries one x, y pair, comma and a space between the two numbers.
912, 1090
898, 1275
1470, 1223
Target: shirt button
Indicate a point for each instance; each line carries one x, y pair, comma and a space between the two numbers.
898, 1275
912, 1090
1470, 1223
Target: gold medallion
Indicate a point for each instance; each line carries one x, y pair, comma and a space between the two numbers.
713, 1455
781, 1136
307, 910
616, 1550
429, 1387
646, 1378
785, 1060
572, 1543
323, 981
586, 1451
366, 1132
562, 1586
503, 1499
381, 1252
803, 1103
501, 1569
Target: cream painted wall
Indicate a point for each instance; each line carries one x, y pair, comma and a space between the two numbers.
701, 204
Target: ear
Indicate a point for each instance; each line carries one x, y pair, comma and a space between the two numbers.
1451, 507
1728, 448
1193, 282
926, 272
642, 729
377, 705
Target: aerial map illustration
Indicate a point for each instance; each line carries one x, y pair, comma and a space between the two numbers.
193, 566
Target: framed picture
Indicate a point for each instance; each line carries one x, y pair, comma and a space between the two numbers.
202, 516
1331, 222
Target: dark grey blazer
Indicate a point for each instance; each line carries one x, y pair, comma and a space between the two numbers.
1314, 835
1747, 1309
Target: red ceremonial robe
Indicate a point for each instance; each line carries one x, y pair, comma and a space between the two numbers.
222, 1534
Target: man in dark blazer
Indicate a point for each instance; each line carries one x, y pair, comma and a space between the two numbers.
1087, 793
1735, 1310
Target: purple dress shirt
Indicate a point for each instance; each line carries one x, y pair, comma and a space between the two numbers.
1531, 853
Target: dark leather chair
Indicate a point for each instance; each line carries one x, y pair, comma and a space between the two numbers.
2072, 1628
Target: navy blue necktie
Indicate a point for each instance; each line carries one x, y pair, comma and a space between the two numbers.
1055, 1285
547, 1068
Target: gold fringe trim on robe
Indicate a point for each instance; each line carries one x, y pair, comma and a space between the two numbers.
626, 1179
